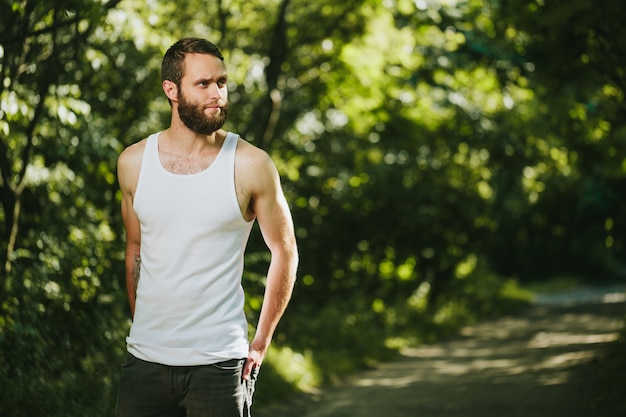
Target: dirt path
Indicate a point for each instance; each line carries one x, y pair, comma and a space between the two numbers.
536, 364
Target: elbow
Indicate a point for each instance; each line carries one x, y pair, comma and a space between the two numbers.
293, 256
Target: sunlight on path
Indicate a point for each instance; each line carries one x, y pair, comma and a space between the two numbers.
526, 365
607, 294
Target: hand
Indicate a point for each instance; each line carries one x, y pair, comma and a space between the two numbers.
252, 365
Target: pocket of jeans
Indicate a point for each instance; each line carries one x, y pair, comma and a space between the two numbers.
230, 365
129, 361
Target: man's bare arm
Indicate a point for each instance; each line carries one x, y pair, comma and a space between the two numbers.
128, 167
273, 215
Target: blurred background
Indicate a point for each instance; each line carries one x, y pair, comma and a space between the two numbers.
441, 158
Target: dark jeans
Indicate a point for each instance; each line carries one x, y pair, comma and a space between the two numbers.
153, 390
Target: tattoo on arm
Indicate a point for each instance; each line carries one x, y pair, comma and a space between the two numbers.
136, 270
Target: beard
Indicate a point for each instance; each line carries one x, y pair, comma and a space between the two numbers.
192, 115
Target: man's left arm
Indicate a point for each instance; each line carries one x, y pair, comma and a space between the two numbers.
274, 217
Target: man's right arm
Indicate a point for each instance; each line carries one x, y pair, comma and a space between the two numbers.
128, 166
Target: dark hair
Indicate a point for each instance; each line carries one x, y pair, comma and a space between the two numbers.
173, 65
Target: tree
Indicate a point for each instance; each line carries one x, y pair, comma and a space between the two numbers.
61, 323
575, 177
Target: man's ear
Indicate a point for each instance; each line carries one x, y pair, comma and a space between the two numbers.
170, 90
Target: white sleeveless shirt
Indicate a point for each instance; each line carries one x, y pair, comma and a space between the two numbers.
190, 302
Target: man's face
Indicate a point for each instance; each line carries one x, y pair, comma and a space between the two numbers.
202, 96
194, 116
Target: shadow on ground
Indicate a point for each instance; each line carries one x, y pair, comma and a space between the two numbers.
548, 361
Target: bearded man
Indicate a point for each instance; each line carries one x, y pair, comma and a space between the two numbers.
190, 195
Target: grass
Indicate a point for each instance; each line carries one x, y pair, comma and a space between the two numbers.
554, 285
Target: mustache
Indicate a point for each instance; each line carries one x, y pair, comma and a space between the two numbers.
219, 103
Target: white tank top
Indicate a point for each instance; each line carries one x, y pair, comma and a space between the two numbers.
190, 302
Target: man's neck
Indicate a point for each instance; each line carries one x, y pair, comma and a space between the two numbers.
180, 137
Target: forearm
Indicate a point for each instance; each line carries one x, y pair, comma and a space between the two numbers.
281, 277
133, 266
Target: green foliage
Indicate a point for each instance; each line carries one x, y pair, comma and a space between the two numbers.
287, 372
572, 222
435, 155
554, 285
62, 301
480, 294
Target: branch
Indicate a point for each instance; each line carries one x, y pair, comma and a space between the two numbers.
269, 106
54, 26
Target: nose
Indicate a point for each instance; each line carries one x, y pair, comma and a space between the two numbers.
215, 92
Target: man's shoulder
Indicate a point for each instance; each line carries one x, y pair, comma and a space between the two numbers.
250, 153
256, 171
133, 151
129, 163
